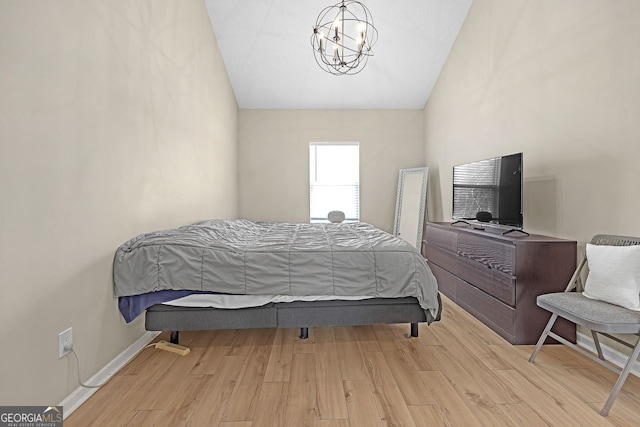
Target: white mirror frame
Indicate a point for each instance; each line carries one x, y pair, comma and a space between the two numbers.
411, 207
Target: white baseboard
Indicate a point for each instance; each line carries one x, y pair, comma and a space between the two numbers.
81, 394
612, 355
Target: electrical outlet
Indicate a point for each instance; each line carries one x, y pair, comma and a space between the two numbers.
65, 342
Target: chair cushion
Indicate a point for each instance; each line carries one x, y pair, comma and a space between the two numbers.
614, 275
597, 315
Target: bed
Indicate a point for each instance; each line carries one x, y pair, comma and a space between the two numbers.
318, 274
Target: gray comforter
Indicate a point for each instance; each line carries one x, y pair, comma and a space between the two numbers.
246, 257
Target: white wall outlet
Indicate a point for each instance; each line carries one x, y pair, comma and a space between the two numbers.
65, 342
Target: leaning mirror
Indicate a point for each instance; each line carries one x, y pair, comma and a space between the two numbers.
411, 205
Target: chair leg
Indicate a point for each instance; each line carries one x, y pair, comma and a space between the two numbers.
596, 342
621, 379
543, 337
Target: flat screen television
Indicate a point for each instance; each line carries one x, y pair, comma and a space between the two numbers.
492, 187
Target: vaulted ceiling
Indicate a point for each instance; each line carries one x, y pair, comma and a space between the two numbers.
266, 48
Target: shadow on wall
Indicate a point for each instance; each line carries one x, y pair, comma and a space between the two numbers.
434, 196
540, 205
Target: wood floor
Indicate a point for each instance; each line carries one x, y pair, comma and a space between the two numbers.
456, 373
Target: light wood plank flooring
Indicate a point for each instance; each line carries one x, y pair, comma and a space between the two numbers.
456, 373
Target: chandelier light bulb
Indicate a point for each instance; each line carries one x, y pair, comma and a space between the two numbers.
361, 27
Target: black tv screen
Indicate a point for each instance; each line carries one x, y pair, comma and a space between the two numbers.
491, 186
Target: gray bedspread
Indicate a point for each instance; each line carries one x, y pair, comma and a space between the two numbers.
246, 257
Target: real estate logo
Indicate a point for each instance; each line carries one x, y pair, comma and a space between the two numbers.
31, 416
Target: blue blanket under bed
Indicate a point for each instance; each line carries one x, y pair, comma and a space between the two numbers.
132, 306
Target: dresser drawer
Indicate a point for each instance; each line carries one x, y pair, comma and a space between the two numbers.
498, 316
444, 239
495, 314
447, 260
497, 284
491, 253
446, 281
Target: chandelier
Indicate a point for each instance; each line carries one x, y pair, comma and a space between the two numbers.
343, 37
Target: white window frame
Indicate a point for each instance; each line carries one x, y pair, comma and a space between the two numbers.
313, 183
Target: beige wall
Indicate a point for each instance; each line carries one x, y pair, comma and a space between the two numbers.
559, 81
115, 118
274, 158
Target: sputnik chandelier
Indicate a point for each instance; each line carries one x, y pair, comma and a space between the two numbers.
343, 37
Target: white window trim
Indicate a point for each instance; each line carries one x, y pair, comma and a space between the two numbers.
336, 143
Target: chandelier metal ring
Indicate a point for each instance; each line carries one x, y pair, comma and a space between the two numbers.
343, 38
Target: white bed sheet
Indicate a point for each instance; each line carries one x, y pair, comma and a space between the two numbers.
244, 301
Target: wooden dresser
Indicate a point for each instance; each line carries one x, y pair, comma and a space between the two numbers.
497, 277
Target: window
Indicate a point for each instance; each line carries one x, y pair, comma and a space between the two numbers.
334, 180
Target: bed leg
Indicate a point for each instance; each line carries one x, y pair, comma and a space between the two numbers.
414, 329
304, 333
175, 337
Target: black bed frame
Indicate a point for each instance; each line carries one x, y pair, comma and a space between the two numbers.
299, 314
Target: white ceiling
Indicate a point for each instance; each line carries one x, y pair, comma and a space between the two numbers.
266, 48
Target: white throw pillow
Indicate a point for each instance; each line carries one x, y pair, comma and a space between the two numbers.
614, 275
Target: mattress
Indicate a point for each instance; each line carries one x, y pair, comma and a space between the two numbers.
265, 258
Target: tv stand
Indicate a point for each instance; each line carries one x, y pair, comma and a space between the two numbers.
497, 277
460, 221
